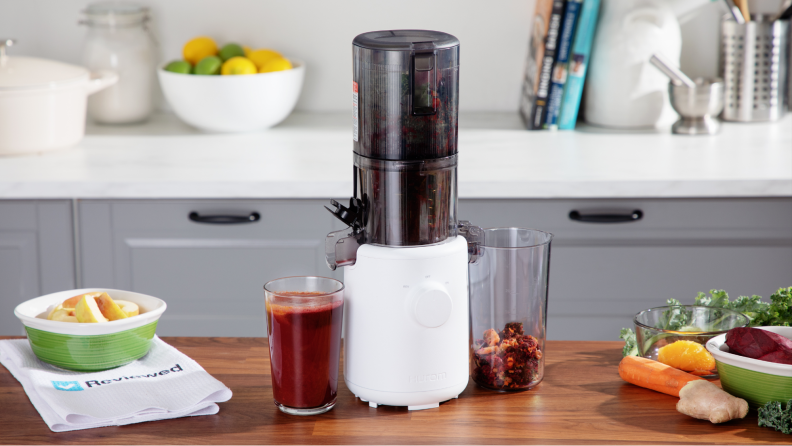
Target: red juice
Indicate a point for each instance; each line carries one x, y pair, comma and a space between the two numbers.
305, 345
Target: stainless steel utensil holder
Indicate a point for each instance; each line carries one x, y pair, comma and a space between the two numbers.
754, 69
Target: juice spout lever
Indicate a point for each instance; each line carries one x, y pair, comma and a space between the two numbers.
352, 215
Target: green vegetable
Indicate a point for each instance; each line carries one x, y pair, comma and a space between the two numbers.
774, 415
760, 314
779, 312
630, 343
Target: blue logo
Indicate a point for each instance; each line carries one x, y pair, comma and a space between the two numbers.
67, 385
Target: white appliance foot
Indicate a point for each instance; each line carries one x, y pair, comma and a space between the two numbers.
425, 406
374, 405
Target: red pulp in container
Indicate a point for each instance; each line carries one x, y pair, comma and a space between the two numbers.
305, 344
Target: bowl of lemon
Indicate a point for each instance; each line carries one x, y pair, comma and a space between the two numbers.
231, 88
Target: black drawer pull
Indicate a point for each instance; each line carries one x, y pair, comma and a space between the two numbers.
225, 219
606, 218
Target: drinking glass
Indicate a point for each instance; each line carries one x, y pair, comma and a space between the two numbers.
508, 308
304, 317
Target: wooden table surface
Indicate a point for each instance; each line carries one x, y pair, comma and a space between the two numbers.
582, 400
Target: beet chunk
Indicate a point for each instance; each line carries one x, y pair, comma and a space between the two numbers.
759, 344
779, 356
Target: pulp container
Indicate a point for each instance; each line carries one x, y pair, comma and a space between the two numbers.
508, 308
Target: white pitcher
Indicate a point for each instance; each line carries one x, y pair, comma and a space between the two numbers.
623, 90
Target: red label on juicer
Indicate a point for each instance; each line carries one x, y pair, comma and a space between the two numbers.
354, 111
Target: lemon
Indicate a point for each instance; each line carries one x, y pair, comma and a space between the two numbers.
262, 56
247, 50
280, 64
208, 65
238, 65
198, 48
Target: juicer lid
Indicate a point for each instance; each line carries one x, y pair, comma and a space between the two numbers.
403, 39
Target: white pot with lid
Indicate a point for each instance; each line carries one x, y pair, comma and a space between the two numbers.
42, 102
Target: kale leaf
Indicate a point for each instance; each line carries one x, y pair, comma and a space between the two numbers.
676, 317
774, 415
717, 298
630, 343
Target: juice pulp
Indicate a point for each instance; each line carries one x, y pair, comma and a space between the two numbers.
305, 345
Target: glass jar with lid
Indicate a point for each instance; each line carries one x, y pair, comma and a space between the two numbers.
118, 40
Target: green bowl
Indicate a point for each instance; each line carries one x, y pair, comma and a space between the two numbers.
90, 347
755, 381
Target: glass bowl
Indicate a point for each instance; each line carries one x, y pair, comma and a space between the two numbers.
689, 322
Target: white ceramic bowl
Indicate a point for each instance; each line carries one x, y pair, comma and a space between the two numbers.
758, 382
240, 103
94, 346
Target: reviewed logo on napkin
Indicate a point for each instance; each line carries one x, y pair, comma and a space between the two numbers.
69, 386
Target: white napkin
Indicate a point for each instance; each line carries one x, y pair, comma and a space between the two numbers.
163, 384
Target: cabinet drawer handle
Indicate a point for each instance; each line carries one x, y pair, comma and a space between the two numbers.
606, 218
225, 219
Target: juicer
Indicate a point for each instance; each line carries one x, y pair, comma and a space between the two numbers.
405, 255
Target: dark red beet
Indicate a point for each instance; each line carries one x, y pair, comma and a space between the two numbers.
759, 344
779, 356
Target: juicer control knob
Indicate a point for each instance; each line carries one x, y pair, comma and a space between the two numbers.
432, 306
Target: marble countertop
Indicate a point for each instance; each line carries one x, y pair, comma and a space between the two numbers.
310, 156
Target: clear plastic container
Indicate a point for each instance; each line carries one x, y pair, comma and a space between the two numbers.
508, 308
304, 317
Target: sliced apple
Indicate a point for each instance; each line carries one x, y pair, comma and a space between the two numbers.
131, 309
72, 301
63, 315
54, 310
87, 310
109, 308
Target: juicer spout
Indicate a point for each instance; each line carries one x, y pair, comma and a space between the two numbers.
474, 236
341, 247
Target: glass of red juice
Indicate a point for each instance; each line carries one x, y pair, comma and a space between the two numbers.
304, 317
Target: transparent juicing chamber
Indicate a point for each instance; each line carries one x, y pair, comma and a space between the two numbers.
508, 308
408, 203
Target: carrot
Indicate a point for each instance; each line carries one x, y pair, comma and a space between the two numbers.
654, 375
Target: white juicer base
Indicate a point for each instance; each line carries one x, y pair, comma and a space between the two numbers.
406, 324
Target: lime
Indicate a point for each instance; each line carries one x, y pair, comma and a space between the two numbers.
262, 56
278, 64
209, 65
239, 65
231, 50
198, 48
179, 66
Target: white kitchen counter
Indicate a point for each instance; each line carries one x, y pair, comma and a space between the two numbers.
310, 156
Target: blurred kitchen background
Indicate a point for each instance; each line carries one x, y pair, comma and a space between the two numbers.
494, 37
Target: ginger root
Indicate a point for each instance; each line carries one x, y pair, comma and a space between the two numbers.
706, 401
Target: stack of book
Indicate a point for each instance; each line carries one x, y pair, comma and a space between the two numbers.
557, 58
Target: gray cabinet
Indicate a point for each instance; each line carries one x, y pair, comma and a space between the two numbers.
602, 274
36, 254
210, 275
